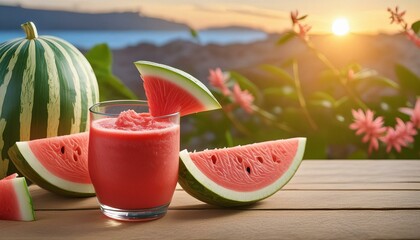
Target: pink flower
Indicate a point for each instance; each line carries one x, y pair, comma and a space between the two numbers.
397, 16
243, 98
406, 130
391, 140
218, 80
303, 30
400, 136
368, 125
414, 113
295, 17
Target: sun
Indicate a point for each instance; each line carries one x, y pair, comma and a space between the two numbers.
340, 26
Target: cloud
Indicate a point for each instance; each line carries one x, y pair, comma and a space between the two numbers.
260, 13
243, 10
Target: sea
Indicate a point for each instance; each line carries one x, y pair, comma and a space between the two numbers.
122, 39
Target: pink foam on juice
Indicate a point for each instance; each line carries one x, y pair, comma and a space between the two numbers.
130, 120
133, 160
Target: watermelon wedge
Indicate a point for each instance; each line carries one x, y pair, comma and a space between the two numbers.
170, 90
58, 164
240, 175
15, 200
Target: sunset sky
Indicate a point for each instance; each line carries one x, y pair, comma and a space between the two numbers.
364, 16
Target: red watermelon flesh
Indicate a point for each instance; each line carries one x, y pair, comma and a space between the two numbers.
169, 90
65, 157
259, 166
242, 175
15, 201
165, 98
58, 164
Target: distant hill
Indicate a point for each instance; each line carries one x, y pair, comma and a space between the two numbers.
232, 28
378, 52
11, 17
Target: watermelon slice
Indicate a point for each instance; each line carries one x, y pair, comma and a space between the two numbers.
170, 90
240, 175
58, 164
15, 200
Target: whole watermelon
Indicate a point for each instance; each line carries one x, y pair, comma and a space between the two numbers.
46, 88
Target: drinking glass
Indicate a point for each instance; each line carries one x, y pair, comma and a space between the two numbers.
133, 164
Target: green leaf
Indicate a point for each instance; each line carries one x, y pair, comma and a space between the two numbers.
324, 96
229, 139
285, 91
341, 102
110, 87
365, 73
416, 27
303, 17
286, 37
409, 81
282, 74
194, 34
246, 84
383, 81
377, 81
369, 77
323, 100
277, 94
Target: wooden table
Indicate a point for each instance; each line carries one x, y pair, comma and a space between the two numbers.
326, 199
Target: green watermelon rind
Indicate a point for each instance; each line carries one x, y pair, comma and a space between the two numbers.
30, 167
198, 185
182, 79
193, 187
24, 199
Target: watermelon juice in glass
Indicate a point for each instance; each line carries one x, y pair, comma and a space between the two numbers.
133, 159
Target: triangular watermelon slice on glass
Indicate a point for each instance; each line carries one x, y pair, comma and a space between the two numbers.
240, 175
15, 200
58, 164
170, 90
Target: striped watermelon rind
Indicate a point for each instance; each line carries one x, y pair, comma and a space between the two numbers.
46, 88
181, 79
198, 185
31, 167
25, 211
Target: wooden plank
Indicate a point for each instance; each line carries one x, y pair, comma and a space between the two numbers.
325, 200
321, 181
328, 199
351, 186
221, 224
291, 200
45, 200
352, 171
